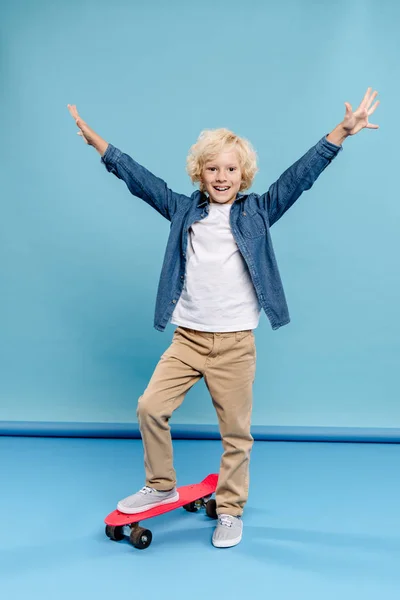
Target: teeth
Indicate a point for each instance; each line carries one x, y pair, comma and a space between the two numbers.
221, 189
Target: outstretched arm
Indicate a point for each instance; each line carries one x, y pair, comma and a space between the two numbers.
139, 180
302, 174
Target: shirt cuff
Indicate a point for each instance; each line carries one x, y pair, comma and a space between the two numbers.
327, 149
110, 158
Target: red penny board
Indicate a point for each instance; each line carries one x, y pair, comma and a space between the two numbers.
187, 493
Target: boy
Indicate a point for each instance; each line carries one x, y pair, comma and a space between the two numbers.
219, 271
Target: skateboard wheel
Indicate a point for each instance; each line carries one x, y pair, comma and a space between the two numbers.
114, 533
211, 509
140, 537
191, 507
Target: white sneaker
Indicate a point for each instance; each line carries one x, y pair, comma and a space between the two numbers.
228, 532
145, 499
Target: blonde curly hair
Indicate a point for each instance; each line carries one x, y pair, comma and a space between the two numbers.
213, 141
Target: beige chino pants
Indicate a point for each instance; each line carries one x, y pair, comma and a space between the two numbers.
227, 362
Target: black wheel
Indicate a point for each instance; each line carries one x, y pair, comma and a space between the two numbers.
114, 533
211, 509
140, 537
191, 507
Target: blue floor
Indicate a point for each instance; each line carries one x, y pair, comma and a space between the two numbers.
322, 522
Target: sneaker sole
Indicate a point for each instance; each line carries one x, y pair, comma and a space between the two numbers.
227, 543
135, 511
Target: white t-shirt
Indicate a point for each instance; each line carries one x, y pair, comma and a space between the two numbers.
218, 294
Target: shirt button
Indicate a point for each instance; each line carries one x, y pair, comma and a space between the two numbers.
244, 214
182, 276
173, 301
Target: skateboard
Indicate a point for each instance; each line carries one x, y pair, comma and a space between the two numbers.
191, 497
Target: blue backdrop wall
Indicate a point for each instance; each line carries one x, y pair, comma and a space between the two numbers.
80, 257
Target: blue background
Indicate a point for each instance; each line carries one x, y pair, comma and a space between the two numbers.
80, 257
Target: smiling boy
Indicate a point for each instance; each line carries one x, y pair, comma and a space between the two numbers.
219, 272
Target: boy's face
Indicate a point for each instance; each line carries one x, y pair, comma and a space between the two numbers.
222, 176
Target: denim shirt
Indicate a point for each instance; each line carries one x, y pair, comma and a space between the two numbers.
251, 217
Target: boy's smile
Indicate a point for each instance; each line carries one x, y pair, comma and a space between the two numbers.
222, 177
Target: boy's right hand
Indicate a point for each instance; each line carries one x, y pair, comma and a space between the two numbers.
84, 129
89, 136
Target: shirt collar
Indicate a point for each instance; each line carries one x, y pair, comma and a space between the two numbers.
203, 200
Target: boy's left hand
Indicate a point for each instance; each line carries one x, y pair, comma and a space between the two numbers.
356, 120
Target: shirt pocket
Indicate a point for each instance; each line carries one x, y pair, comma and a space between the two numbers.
252, 225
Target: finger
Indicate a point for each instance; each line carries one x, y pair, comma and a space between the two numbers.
82, 136
371, 126
372, 98
73, 111
364, 101
81, 123
348, 106
374, 107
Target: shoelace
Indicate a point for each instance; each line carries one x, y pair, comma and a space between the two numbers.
146, 490
225, 520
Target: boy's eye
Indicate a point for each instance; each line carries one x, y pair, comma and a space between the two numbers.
231, 169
